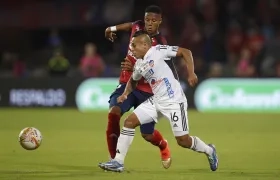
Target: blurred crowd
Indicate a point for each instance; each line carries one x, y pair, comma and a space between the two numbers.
233, 38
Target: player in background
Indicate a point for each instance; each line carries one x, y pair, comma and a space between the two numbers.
169, 99
152, 21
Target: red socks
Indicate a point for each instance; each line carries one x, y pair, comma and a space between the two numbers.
158, 140
113, 133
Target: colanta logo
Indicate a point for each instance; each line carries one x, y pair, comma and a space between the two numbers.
238, 95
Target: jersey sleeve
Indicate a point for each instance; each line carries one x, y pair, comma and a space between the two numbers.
168, 51
139, 22
164, 42
138, 25
136, 76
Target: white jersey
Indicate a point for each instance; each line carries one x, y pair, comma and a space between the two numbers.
158, 74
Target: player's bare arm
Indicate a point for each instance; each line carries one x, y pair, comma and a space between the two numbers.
110, 31
130, 86
188, 58
110, 34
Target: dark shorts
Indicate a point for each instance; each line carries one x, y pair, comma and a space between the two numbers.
134, 99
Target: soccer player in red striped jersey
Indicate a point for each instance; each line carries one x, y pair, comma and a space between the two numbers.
151, 23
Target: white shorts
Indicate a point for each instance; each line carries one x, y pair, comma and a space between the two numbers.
176, 113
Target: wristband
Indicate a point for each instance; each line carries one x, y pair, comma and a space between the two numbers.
113, 28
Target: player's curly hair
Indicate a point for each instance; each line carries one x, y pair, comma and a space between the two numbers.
153, 9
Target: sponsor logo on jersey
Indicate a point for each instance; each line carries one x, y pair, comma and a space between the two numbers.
170, 92
154, 82
149, 74
151, 63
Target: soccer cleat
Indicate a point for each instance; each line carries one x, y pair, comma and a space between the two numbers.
112, 165
213, 158
166, 157
102, 165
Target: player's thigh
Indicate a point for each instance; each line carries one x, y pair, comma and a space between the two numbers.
127, 104
146, 112
148, 128
141, 97
177, 115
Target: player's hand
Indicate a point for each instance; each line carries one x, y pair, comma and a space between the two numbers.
192, 79
121, 98
111, 36
126, 65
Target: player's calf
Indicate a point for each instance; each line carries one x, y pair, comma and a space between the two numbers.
148, 137
194, 143
126, 137
150, 134
124, 142
156, 139
184, 141
113, 129
113, 126
197, 145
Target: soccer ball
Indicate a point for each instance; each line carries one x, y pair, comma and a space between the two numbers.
30, 138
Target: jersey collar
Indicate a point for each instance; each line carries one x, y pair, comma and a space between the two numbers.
148, 53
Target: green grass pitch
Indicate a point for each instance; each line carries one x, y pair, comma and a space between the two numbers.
73, 144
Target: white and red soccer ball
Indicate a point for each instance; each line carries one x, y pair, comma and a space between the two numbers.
30, 138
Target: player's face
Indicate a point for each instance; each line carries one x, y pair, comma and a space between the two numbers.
138, 48
152, 22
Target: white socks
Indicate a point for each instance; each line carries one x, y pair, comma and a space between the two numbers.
199, 146
124, 142
127, 135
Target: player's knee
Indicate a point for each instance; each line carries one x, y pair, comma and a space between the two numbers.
115, 110
184, 141
131, 121
148, 137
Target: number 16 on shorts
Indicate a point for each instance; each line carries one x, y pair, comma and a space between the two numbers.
174, 119
178, 119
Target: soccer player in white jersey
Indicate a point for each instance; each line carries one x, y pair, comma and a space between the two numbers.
169, 99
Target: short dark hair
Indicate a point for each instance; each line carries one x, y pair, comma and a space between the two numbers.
142, 32
153, 9
139, 33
